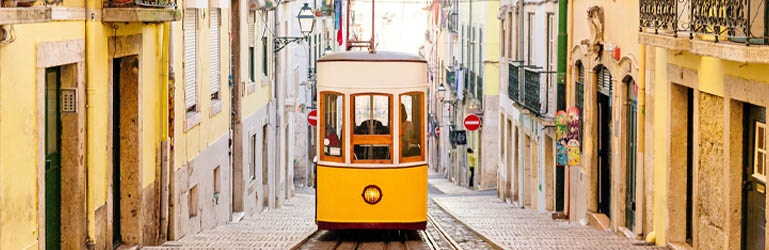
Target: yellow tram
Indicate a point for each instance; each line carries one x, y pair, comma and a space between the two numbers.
372, 167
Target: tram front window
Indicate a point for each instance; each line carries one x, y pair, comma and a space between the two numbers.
372, 134
332, 122
411, 129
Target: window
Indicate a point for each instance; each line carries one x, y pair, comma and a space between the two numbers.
189, 26
252, 158
550, 64
265, 53
411, 127
265, 154
214, 53
530, 38
579, 95
759, 154
193, 201
372, 136
251, 44
332, 125
217, 181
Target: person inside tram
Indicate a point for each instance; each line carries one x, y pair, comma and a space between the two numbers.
331, 142
409, 140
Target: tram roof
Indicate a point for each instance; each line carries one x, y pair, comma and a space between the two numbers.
365, 56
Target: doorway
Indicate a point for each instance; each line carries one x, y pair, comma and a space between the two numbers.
604, 119
52, 158
125, 150
631, 111
754, 177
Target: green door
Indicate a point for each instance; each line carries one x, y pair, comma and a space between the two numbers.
52, 159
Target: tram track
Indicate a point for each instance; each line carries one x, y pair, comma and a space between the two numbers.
430, 239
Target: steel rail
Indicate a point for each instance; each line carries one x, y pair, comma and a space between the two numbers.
454, 245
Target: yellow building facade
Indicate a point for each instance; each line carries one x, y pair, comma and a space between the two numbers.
709, 89
612, 185
74, 73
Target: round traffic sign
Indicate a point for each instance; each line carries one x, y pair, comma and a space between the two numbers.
437, 131
472, 122
312, 117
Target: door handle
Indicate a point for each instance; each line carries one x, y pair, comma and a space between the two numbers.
747, 185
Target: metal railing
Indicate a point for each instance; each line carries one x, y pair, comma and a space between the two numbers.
513, 91
741, 21
531, 86
142, 3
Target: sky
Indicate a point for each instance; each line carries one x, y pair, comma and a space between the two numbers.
400, 25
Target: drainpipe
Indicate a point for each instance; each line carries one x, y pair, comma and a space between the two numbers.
562, 39
167, 160
519, 57
169, 220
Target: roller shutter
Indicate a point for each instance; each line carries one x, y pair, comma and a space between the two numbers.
215, 54
189, 26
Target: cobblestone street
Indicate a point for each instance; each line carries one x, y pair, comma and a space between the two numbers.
504, 225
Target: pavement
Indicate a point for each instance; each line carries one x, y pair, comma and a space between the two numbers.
281, 228
502, 224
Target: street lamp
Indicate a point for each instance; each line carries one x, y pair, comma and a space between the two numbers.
328, 50
306, 25
441, 92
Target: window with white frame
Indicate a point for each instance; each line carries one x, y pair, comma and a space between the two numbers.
530, 38
189, 25
759, 152
251, 44
550, 64
215, 58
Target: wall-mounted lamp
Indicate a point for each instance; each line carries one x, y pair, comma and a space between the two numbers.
306, 25
328, 50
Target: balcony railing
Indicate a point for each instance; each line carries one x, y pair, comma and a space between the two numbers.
513, 91
531, 84
141, 11
741, 21
143, 3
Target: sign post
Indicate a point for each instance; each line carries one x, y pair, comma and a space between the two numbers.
312, 117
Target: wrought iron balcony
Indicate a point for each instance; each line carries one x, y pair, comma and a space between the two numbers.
144, 11
738, 21
513, 91
531, 83
143, 3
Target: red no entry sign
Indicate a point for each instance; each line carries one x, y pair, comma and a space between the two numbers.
472, 122
437, 131
312, 117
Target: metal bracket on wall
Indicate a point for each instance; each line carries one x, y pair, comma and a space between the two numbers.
282, 42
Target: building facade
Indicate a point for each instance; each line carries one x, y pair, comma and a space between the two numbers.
708, 88
528, 171
84, 109
606, 83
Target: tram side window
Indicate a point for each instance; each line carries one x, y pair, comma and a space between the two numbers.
372, 134
333, 124
411, 130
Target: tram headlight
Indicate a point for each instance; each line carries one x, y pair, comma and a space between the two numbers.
372, 194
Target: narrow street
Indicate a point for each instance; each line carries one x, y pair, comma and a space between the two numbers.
472, 219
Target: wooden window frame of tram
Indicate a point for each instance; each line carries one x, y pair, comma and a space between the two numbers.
422, 136
371, 139
322, 125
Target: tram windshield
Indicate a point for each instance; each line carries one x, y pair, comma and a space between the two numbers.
411, 126
332, 122
372, 134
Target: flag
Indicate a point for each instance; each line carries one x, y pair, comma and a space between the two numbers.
338, 3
